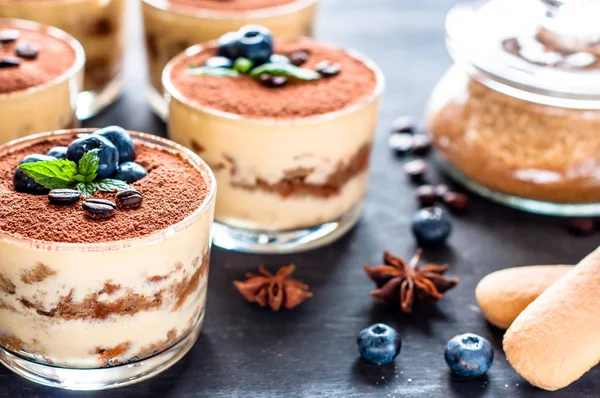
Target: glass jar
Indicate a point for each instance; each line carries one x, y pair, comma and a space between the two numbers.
516, 119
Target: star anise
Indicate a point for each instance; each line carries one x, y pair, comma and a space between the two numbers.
274, 291
408, 284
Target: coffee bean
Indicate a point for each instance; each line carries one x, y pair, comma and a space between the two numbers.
298, 57
63, 197
9, 62
440, 190
403, 124
269, 80
421, 144
130, 199
400, 142
455, 201
9, 35
27, 50
328, 68
416, 169
581, 226
99, 209
426, 196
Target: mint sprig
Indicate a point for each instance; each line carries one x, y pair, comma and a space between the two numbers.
288, 70
208, 71
64, 173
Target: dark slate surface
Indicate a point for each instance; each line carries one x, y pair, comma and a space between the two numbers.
246, 351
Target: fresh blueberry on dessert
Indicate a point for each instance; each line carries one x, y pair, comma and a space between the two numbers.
256, 44
379, 344
59, 152
24, 183
107, 153
431, 226
229, 45
469, 355
130, 172
121, 139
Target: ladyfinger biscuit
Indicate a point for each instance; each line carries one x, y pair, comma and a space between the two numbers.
504, 294
556, 339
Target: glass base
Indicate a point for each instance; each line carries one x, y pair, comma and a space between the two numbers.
100, 378
281, 242
157, 103
516, 202
90, 103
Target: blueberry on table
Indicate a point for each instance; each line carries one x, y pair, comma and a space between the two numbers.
59, 152
431, 226
256, 44
107, 152
121, 139
218, 62
130, 172
469, 355
26, 184
229, 45
379, 343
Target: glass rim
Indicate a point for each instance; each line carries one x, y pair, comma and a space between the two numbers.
54, 32
172, 91
203, 13
196, 161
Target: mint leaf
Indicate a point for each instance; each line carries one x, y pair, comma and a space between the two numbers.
207, 71
285, 70
242, 65
51, 174
110, 185
86, 188
88, 166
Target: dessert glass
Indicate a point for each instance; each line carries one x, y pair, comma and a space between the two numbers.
516, 119
249, 155
54, 102
131, 333
171, 28
99, 26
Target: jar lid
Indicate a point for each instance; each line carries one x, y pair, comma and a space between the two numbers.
544, 51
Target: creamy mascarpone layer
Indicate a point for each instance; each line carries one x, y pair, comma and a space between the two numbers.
171, 271
244, 151
169, 32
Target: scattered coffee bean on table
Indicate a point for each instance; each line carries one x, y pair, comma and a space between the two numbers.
421, 144
401, 142
130, 199
416, 169
64, 197
99, 209
426, 195
455, 201
440, 190
403, 124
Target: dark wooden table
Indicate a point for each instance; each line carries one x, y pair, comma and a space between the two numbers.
246, 351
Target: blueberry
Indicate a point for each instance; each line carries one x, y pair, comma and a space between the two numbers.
431, 226
279, 59
26, 184
379, 343
469, 355
219, 62
229, 45
59, 152
121, 139
256, 44
108, 153
130, 172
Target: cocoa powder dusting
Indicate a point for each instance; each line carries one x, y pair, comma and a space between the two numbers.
173, 189
37, 274
231, 5
248, 97
54, 59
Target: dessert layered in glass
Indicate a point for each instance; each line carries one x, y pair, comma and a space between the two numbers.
100, 27
41, 74
83, 292
173, 25
291, 157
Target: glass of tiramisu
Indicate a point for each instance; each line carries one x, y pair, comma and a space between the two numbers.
171, 26
41, 71
287, 128
99, 26
105, 242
